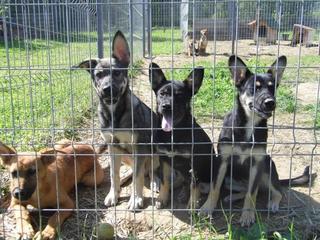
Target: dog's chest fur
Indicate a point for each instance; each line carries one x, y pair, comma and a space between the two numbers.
243, 137
123, 139
126, 122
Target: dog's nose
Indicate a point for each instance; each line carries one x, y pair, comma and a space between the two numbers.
18, 193
107, 90
270, 104
166, 106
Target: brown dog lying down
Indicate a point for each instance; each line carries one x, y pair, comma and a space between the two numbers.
37, 173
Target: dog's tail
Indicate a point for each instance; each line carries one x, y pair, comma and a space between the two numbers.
301, 180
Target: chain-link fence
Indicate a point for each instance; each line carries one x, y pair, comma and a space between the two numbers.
46, 97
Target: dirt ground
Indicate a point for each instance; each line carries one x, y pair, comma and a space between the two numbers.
291, 149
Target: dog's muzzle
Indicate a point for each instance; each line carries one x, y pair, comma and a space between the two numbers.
269, 104
110, 94
21, 194
265, 108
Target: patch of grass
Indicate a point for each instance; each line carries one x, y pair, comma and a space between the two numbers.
40, 97
285, 99
166, 41
136, 69
203, 229
314, 110
216, 95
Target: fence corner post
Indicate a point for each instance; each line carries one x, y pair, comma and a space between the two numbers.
100, 29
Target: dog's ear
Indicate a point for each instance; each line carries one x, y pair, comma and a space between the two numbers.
194, 80
156, 77
120, 49
48, 156
277, 68
239, 70
6, 154
88, 64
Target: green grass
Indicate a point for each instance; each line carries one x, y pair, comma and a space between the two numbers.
216, 95
40, 97
203, 229
314, 110
166, 41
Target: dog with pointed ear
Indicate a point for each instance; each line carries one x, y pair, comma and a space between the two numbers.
120, 109
240, 72
110, 75
173, 99
244, 138
33, 182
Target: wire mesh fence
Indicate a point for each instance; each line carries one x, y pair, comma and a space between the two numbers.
47, 96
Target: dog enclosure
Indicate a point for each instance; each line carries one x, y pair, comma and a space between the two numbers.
44, 99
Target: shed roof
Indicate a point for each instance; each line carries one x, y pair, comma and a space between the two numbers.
270, 21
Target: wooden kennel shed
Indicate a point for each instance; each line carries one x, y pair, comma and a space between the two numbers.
267, 30
306, 35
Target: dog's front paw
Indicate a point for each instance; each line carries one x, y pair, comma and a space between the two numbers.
160, 203
163, 198
47, 234
273, 206
135, 202
205, 212
25, 230
111, 199
206, 209
247, 218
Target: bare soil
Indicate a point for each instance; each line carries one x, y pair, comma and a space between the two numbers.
291, 148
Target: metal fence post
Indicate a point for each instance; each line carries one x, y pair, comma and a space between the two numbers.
143, 28
149, 28
100, 29
231, 7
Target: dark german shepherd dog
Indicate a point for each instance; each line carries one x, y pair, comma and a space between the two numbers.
125, 120
243, 139
178, 134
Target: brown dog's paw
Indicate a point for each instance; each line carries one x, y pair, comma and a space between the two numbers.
47, 234
25, 230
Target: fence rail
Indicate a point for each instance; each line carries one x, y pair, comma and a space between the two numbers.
44, 98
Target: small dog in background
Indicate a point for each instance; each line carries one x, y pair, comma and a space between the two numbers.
192, 45
195, 47
203, 42
34, 177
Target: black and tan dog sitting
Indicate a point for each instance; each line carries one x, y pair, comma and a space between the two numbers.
178, 134
35, 177
125, 120
243, 139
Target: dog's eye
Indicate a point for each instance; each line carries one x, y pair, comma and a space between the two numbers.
31, 172
14, 174
115, 73
99, 75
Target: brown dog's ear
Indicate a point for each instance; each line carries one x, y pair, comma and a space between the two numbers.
156, 77
239, 70
88, 64
194, 80
277, 68
120, 49
6, 154
48, 155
